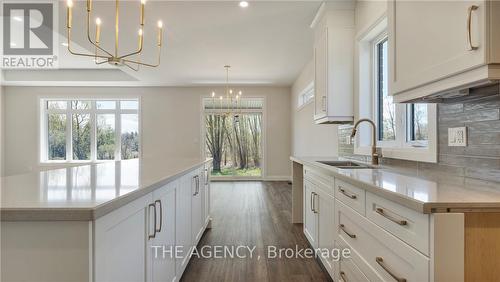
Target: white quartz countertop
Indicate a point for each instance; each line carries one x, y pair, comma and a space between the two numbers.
423, 195
85, 192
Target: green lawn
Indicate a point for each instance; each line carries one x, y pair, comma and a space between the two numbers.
238, 172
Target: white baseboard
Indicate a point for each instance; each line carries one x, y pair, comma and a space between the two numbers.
277, 178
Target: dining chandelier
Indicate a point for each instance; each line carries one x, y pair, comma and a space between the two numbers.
230, 103
101, 55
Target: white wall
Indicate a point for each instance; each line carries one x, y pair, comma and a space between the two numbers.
171, 122
1, 129
308, 138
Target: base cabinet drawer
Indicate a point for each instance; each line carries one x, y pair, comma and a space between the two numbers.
348, 271
350, 195
389, 257
408, 225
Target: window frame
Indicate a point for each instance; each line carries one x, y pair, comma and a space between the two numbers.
376, 90
263, 112
93, 112
367, 93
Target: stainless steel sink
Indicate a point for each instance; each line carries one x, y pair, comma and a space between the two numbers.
346, 164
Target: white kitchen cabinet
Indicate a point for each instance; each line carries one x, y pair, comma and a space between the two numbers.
163, 264
438, 47
319, 226
183, 235
205, 188
326, 227
197, 226
122, 242
310, 217
333, 66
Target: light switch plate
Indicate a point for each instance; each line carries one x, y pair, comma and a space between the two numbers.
457, 136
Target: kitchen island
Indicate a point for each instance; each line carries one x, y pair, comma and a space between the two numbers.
101, 222
401, 226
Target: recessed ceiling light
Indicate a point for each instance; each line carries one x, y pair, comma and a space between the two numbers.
19, 19
243, 4
64, 44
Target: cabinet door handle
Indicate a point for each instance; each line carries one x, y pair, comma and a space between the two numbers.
154, 229
196, 186
469, 28
391, 218
352, 196
161, 216
207, 174
314, 202
343, 276
380, 262
342, 227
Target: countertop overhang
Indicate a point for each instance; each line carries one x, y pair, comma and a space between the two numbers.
85, 193
423, 195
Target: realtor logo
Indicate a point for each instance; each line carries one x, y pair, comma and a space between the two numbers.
28, 35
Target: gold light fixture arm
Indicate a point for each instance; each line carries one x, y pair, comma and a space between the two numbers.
145, 64
81, 54
88, 36
109, 57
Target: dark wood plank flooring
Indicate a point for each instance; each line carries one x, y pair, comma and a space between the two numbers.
254, 214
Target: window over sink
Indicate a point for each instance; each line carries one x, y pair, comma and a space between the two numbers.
404, 131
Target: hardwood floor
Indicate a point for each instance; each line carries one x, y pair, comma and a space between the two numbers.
254, 214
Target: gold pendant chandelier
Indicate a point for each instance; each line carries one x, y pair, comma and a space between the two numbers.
230, 105
101, 56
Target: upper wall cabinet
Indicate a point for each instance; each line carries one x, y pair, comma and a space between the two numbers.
333, 65
438, 48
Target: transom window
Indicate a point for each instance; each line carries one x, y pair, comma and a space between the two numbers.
84, 130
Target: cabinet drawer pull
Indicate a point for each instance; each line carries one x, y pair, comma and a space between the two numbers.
380, 262
352, 196
154, 220
343, 276
469, 31
398, 221
342, 226
161, 216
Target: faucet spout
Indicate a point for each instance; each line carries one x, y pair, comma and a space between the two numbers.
375, 156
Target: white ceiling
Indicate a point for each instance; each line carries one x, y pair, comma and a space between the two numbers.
267, 43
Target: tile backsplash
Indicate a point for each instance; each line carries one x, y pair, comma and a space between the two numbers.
480, 159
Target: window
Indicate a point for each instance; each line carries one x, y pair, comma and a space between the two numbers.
83, 130
234, 143
415, 115
404, 131
306, 96
386, 109
417, 124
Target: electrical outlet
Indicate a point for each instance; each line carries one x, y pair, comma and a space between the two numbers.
457, 136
